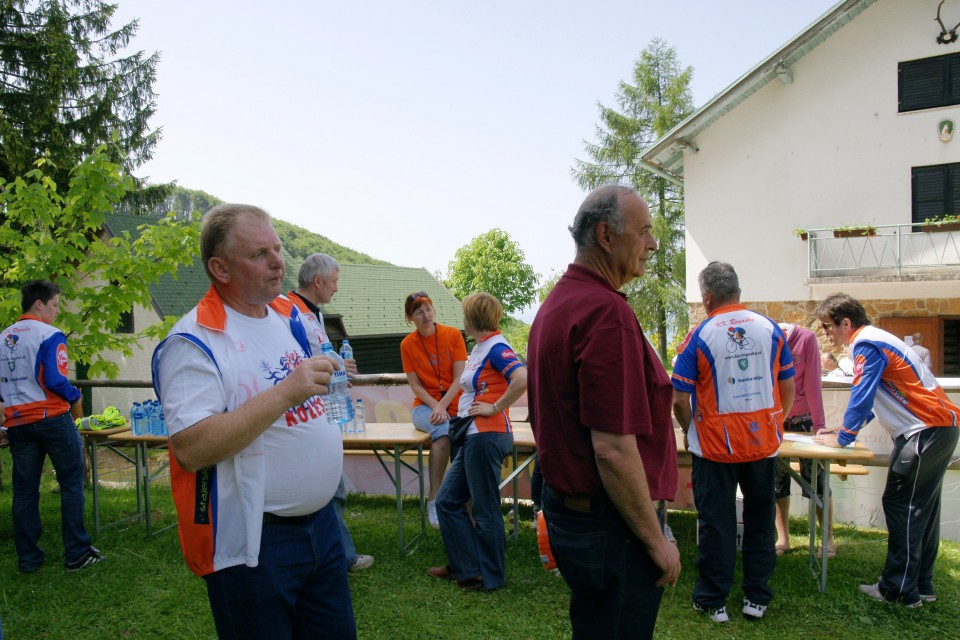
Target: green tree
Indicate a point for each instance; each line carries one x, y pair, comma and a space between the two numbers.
657, 100
494, 263
59, 237
65, 90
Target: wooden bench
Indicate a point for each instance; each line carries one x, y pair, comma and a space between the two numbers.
842, 470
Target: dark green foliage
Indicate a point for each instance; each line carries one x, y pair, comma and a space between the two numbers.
300, 243
65, 87
658, 99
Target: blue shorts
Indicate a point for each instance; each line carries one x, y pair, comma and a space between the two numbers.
421, 420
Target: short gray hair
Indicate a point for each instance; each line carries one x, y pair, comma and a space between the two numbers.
218, 224
317, 264
601, 205
720, 281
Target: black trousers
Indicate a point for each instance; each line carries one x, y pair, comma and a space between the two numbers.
911, 506
715, 494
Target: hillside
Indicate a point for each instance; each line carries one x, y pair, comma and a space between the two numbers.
298, 242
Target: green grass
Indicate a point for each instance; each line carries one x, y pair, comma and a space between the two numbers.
144, 590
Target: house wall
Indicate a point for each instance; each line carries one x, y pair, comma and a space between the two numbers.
135, 367
827, 150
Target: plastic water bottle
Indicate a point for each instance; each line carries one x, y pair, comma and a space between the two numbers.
338, 400
360, 417
153, 419
162, 419
346, 351
136, 418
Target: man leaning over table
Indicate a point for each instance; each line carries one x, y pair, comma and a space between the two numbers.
733, 385
890, 380
316, 284
254, 461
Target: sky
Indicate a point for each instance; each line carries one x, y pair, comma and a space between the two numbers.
406, 129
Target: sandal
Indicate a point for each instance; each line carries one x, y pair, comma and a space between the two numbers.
831, 551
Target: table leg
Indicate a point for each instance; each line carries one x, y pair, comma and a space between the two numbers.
825, 527
92, 446
423, 500
146, 483
399, 488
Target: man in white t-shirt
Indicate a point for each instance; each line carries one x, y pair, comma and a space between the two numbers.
316, 284
254, 460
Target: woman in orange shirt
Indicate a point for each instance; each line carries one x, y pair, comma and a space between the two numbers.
433, 358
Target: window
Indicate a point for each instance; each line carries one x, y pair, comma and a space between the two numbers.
936, 191
126, 322
929, 82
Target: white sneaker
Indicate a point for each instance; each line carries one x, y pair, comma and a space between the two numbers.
432, 514
717, 615
753, 611
362, 562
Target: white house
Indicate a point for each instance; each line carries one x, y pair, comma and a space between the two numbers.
850, 123
838, 127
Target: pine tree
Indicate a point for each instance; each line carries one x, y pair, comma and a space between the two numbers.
66, 87
658, 99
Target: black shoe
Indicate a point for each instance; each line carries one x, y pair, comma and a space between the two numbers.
93, 557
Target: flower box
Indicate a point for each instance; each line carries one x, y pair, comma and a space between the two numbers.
947, 226
855, 233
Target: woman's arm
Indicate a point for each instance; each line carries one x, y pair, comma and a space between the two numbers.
518, 384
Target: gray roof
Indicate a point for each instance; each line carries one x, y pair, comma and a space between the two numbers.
665, 156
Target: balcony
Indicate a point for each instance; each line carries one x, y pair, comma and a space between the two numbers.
895, 250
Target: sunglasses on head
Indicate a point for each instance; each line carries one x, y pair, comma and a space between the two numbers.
414, 296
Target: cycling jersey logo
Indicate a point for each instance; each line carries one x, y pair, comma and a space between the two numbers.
743, 363
288, 362
62, 362
858, 365
737, 340
11, 341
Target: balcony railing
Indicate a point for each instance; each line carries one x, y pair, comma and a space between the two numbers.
896, 249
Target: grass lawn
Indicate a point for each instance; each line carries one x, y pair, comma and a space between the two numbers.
144, 590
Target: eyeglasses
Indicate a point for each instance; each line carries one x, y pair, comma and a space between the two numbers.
418, 294
826, 326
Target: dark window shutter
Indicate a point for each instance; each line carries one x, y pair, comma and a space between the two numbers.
929, 82
936, 191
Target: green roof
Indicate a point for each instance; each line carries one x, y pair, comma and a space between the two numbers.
370, 299
371, 296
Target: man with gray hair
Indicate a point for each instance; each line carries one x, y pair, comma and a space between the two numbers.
733, 387
922, 351
254, 461
317, 282
600, 411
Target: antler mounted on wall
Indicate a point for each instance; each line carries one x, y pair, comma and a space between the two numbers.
946, 36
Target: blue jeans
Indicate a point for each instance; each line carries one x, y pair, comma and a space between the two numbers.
479, 550
420, 417
612, 580
715, 494
298, 590
339, 506
30, 444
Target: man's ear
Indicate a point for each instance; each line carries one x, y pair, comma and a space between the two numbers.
604, 236
218, 268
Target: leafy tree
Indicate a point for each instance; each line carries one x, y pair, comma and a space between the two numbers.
59, 237
548, 284
494, 263
64, 90
658, 99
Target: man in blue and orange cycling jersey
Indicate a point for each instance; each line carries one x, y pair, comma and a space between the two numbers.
39, 407
890, 379
733, 386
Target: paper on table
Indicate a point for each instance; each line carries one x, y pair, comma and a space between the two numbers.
798, 437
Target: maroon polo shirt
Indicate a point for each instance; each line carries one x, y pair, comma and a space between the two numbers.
590, 367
